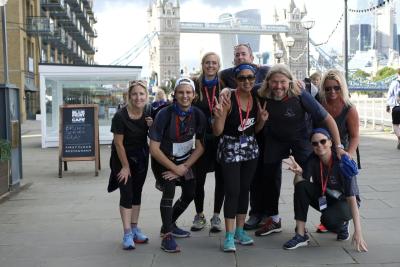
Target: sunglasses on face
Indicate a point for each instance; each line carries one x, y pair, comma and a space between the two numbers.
322, 142
250, 78
330, 88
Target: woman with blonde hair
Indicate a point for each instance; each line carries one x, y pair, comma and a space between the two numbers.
286, 133
208, 86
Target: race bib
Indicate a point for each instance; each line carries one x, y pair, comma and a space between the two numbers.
181, 149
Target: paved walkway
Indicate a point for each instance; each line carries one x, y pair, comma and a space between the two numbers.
73, 221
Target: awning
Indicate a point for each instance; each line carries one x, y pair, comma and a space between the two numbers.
31, 87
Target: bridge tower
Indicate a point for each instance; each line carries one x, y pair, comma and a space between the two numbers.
164, 19
295, 56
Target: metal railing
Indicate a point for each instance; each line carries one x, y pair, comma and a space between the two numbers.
372, 111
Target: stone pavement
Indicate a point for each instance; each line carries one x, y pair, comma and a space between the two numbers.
73, 221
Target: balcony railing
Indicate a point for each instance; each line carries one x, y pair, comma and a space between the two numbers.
38, 26
55, 5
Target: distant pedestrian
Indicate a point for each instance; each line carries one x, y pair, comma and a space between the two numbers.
328, 188
177, 128
160, 99
129, 160
393, 101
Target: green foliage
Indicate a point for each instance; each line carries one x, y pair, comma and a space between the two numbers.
360, 74
5, 150
384, 73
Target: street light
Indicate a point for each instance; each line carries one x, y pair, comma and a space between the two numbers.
307, 24
259, 56
4, 35
278, 55
289, 44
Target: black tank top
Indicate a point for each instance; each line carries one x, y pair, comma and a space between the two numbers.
232, 124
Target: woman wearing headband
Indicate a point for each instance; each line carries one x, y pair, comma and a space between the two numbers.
324, 185
171, 145
208, 86
129, 160
237, 122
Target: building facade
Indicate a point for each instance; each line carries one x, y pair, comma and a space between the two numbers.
46, 31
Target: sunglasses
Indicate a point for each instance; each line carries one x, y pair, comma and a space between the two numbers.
250, 78
330, 88
322, 142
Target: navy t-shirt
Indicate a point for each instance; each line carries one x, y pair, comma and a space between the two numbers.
336, 180
287, 122
176, 136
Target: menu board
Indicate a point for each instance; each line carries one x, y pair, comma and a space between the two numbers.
78, 133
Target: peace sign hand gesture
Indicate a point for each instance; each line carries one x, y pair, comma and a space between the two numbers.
294, 166
263, 114
218, 109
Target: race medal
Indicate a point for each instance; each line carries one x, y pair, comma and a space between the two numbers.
243, 141
322, 203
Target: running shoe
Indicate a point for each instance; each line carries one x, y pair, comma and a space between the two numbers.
269, 227
215, 224
168, 244
127, 241
297, 241
198, 223
138, 236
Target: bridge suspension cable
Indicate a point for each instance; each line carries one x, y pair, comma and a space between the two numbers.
129, 56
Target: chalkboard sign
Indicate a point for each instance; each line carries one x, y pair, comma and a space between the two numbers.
79, 135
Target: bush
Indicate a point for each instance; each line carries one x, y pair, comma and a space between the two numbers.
5, 150
384, 73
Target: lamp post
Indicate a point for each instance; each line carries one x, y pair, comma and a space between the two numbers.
289, 44
307, 24
259, 56
346, 45
4, 35
278, 55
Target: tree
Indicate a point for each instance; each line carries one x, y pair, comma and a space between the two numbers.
360, 75
384, 73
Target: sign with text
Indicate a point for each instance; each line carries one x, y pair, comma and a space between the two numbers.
79, 134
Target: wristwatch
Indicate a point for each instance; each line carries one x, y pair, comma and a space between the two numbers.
340, 146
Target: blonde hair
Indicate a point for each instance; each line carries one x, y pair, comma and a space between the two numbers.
266, 91
337, 76
160, 95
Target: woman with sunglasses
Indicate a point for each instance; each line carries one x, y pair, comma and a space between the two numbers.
176, 130
129, 160
208, 86
334, 97
237, 121
286, 133
322, 185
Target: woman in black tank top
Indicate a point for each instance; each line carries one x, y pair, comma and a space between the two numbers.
237, 121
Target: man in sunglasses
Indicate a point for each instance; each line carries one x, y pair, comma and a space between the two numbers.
243, 54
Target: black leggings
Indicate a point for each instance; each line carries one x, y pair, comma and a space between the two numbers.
270, 191
200, 172
307, 194
237, 179
170, 213
131, 192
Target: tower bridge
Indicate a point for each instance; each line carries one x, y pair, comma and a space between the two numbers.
225, 28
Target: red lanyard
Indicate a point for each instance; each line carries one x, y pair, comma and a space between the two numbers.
324, 180
212, 100
243, 122
177, 126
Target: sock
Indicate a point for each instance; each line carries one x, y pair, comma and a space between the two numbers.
275, 218
133, 225
127, 231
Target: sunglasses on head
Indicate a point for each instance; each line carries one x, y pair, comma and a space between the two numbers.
322, 142
250, 78
330, 88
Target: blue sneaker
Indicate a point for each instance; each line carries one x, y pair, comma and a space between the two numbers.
243, 238
229, 243
343, 233
178, 232
138, 236
297, 241
127, 241
168, 244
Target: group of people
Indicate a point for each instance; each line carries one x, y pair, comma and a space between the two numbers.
240, 123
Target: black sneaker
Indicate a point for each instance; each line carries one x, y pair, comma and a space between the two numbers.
297, 241
343, 233
252, 223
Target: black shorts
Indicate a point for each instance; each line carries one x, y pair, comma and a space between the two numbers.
396, 115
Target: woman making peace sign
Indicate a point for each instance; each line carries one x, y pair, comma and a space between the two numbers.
238, 120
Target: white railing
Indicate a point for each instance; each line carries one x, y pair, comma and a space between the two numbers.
372, 111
